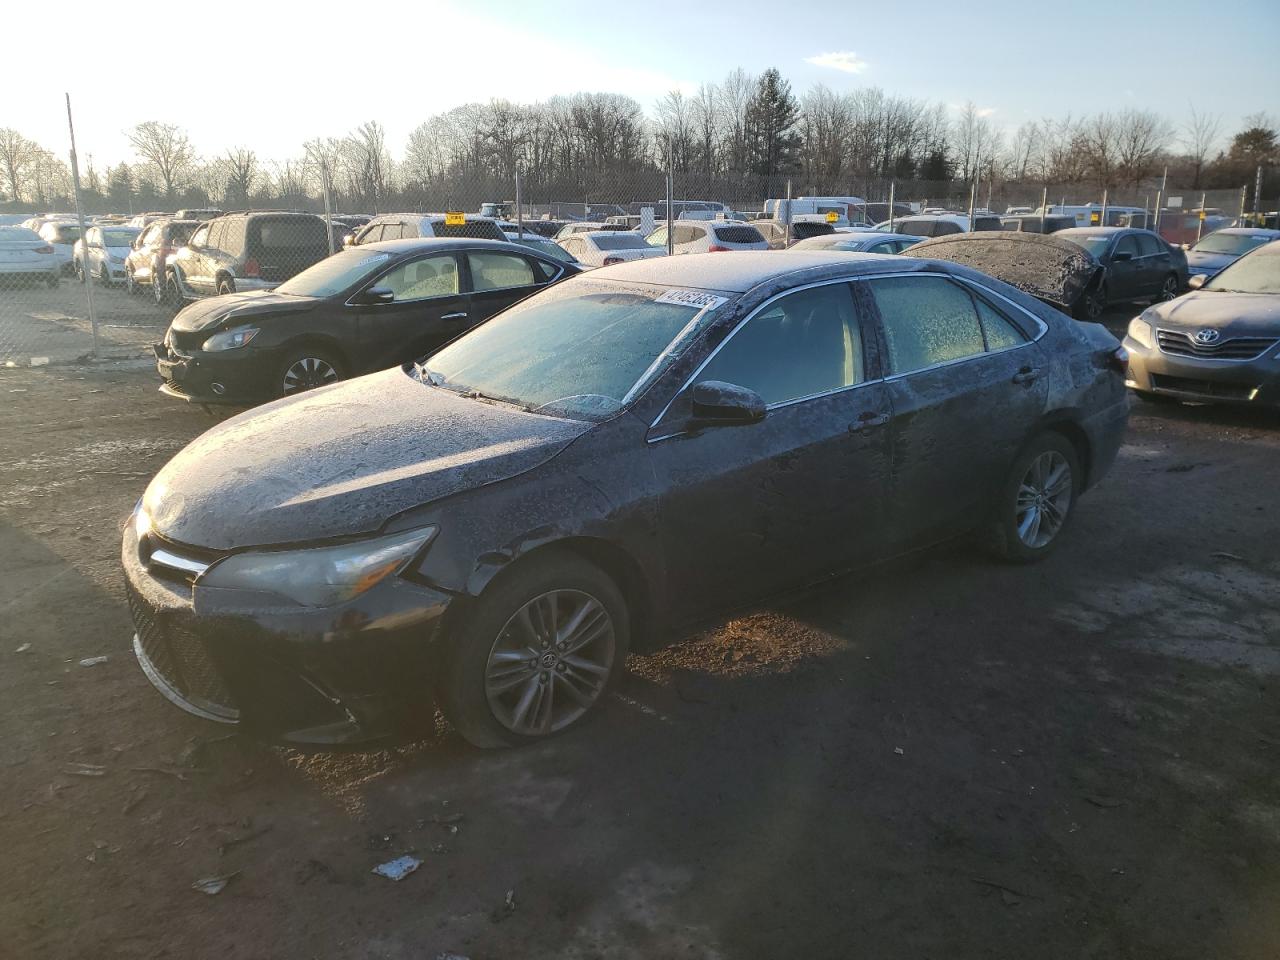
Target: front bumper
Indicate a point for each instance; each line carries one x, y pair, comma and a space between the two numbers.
355, 674
239, 377
1243, 382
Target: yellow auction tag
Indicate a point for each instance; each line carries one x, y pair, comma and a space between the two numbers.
832, 216
1095, 218
454, 219
1201, 214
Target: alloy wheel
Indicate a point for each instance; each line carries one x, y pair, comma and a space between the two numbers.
550, 663
306, 374
1169, 289
1044, 497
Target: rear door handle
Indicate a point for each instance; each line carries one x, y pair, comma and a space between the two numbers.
1027, 375
454, 316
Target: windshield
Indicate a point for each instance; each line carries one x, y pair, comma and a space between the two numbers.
1259, 272
1232, 244
118, 238
620, 241
334, 274
1095, 243
578, 350
549, 247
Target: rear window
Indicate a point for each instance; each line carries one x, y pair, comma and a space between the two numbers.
739, 235
804, 229
17, 234
620, 241
69, 234
478, 229
118, 238
986, 223
292, 233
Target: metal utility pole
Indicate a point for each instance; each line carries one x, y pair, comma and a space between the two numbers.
1044, 207
88, 278
1244, 193
328, 200
892, 189
1162, 192
1200, 220
1102, 217
519, 208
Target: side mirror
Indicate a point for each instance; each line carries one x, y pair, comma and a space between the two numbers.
1121, 257
717, 402
377, 295
1197, 281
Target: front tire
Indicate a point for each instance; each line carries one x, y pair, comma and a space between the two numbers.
1094, 305
307, 368
130, 285
537, 653
225, 286
1037, 500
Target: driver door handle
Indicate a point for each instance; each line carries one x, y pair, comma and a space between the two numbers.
868, 421
454, 316
1027, 375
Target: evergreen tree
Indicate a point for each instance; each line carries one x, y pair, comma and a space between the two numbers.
772, 140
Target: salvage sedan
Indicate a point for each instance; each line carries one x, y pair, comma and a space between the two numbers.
1217, 344
596, 470
363, 309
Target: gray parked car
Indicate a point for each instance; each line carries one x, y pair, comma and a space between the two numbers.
1222, 248
859, 241
1140, 264
1217, 344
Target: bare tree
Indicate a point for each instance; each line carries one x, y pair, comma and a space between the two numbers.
1199, 134
239, 173
17, 153
675, 127
1141, 140
367, 164
165, 146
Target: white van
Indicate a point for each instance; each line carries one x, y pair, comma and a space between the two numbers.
848, 210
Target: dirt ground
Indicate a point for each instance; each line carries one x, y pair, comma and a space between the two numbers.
947, 758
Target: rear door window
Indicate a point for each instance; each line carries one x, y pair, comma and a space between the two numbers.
292, 233
216, 233
999, 330
233, 239
801, 345
927, 321
1150, 246
498, 271
372, 234
738, 235
1127, 245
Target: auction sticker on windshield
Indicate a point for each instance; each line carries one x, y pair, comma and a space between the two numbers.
692, 298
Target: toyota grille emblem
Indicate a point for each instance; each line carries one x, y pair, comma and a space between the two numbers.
1207, 337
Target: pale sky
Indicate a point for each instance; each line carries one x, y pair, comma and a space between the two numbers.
273, 74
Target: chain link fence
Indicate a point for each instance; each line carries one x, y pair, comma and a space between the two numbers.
108, 286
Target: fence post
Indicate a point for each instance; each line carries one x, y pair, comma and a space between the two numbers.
1102, 217
519, 208
1259, 217
786, 239
88, 278
893, 185
671, 200
1044, 206
328, 201
1200, 220
1244, 192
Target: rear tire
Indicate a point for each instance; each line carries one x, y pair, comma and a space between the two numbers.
80, 271
1168, 289
1093, 305
485, 679
1037, 500
225, 286
130, 285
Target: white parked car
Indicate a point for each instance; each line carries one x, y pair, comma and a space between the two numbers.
62, 236
101, 252
709, 236
940, 224
578, 226
410, 226
23, 254
600, 248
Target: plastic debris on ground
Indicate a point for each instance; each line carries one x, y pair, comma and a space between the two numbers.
93, 661
398, 868
214, 885
85, 770
23, 649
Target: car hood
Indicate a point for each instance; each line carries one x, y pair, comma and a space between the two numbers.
1208, 263
341, 461
231, 306
1233, 314
1049, 269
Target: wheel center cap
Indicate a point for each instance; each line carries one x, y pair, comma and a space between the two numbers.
549, 660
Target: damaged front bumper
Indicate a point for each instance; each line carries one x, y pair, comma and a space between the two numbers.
355, 674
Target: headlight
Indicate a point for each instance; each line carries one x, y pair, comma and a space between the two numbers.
1140, 331
322, 576
229, 339
141, 521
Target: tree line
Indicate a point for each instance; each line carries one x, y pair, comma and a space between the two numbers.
741, 138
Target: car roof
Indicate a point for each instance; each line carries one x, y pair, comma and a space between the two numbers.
1251, 231
438, 243
1099, 231
433, 217
738, 272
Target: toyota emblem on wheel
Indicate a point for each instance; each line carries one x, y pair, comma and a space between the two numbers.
1207, 336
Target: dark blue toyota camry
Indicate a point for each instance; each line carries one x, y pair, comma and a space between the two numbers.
597, 469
